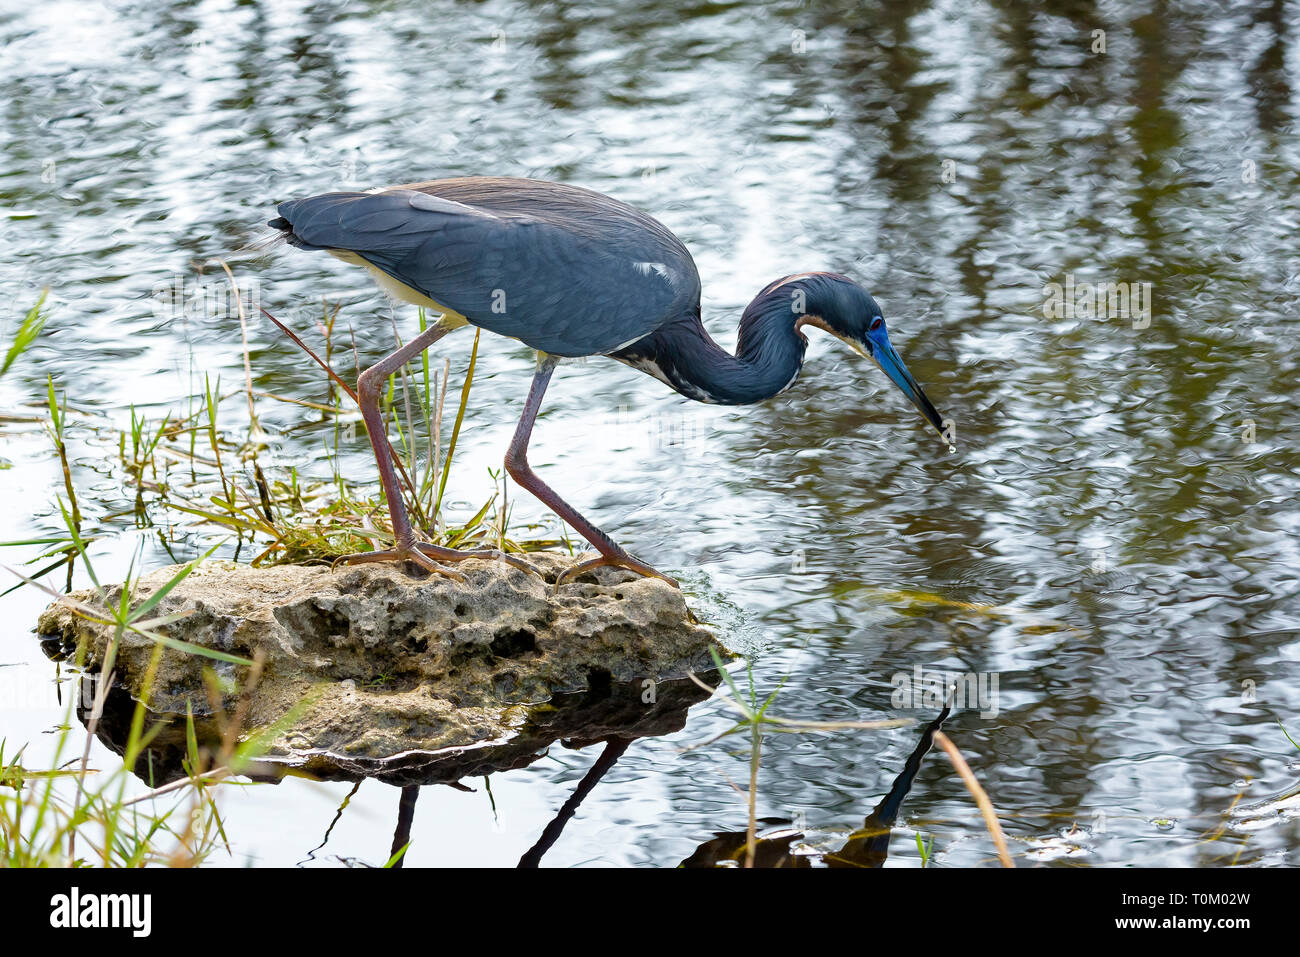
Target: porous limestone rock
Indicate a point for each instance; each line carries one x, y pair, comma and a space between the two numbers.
383, 662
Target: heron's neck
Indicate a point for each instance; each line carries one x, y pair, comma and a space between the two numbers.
769, 355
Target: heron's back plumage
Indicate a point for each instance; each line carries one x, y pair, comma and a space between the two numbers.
563, 269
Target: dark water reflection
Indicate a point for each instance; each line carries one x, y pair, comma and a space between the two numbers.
1124, 499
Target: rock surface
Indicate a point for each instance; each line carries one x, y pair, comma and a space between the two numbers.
384, 664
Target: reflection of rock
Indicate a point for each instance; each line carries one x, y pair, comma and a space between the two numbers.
394, 667
618, 712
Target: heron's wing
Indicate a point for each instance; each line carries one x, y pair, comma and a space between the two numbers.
552, 279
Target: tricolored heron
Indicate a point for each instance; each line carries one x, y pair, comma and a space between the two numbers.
569, 272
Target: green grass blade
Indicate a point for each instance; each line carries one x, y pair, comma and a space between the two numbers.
28, 331
144, 607
455, 431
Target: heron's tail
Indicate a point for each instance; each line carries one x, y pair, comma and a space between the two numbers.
283, 234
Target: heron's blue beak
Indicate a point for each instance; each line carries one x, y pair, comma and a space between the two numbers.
882, 350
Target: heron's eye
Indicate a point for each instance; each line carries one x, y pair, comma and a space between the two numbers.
876, 323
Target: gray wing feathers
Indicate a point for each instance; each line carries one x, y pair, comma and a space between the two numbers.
563, 290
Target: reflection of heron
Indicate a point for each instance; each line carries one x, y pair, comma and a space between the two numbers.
569, 272
868, 846
615, 746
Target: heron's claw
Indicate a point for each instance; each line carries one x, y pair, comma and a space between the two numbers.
623, 560
458, 555
408, 553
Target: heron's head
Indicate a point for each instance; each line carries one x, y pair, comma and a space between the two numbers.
841, 307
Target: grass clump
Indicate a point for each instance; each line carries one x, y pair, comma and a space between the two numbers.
196, 478
300, 522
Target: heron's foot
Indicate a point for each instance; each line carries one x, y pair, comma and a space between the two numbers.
618, 560
400, 553
459, 555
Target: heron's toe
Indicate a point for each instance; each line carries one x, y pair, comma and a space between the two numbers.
457, 555
612, 561
408, 553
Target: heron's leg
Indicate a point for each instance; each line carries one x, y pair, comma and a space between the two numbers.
370, 385
517, 465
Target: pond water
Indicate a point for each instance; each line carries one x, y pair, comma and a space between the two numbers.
1114, 542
